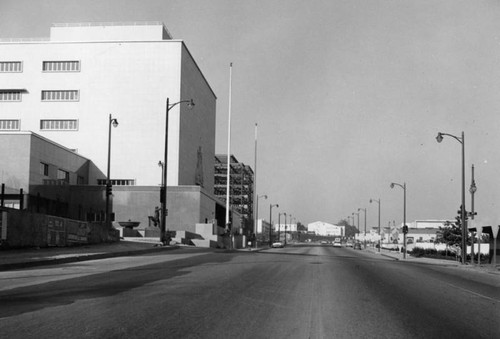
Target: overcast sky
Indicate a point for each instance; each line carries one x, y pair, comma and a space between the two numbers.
348, 95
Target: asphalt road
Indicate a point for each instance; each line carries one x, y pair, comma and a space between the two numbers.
296, 292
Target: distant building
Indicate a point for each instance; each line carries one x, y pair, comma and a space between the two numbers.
241, 188
263, 230
325, 229
285, 227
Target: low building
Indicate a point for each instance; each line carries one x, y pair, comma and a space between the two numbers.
55, 180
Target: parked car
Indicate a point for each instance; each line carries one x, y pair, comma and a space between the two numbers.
337, 243
277, 244
357, 246
349, 243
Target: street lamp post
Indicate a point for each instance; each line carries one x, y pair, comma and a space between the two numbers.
163, 191
354, 222
379, 234
461, 140
290, 220
285, 230
271, 222
364, 237
114, 123
472, 191
405, 229
257, 216
279, 228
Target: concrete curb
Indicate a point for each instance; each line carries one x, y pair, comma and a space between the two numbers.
82, 257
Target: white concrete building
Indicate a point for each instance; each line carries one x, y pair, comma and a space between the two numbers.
326, 229
64, 88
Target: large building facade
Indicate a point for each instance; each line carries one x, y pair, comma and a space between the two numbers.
66, 87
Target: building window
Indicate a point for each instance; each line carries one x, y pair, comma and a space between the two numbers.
61, 66
63, 175
64, 125
117, 182
71, 95
44, 169
9, 124
80, 180
10, 95
11, 66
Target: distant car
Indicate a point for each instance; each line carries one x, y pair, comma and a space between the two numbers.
324, 242
357, 246
337, 243
277, 244
349, 243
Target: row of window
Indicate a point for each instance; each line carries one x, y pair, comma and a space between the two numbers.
59, 95
55, 124
117, 182
47, 66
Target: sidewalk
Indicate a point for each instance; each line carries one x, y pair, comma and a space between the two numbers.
22, 258
453, 263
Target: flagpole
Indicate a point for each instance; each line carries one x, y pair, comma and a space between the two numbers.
228, 175
255, 196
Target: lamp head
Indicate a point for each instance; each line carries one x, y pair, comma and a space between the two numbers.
392, 185
114, 122
371, 201
265, 196
191, 104
473, 188
439, 137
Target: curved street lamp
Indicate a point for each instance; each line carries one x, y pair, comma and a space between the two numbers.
404, 215
461, 140
271, 222
163, 191
114, 123
379, 234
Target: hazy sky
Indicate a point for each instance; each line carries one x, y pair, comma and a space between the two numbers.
348, 95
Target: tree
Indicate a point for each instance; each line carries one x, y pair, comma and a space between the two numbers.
301, 227
451, 235
350, 231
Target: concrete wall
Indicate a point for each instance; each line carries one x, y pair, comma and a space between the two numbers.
25, 229
186, 205
14, 163
197, 126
